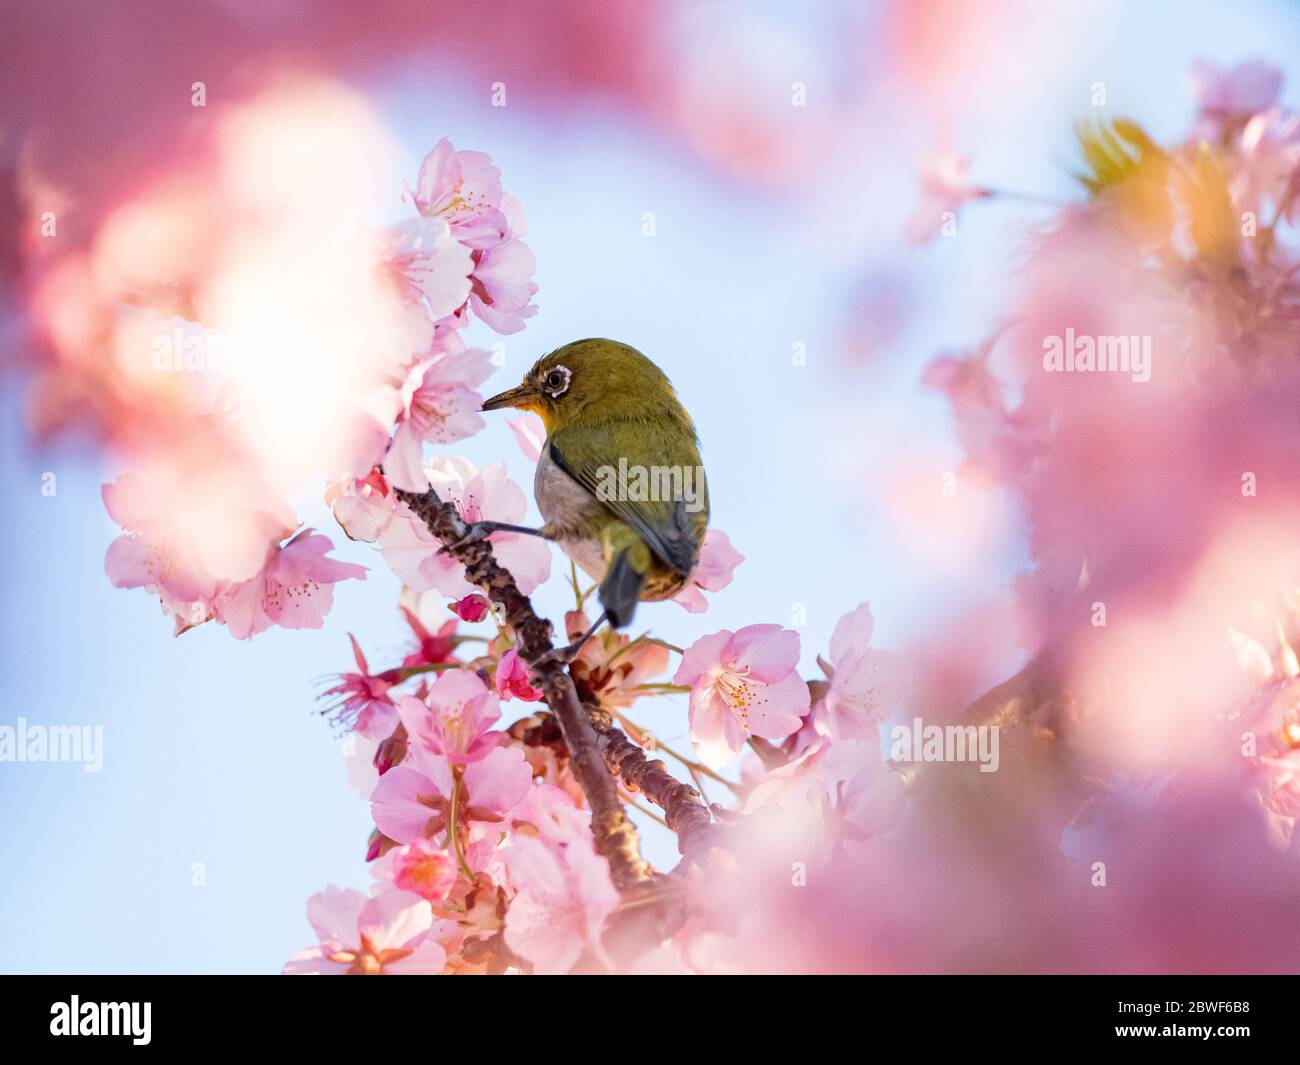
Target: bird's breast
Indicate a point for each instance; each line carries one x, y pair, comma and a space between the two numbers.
571, 510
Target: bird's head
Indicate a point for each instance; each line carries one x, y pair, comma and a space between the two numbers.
591, 382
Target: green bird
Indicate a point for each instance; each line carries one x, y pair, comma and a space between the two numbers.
619, 482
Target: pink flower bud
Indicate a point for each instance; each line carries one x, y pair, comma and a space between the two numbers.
473, 607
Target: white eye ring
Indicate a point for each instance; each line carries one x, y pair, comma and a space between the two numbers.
556, 391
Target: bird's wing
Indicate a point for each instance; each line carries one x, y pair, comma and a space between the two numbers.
591, 457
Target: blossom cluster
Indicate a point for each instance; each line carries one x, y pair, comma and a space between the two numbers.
482, 857
207, 529
1151, 741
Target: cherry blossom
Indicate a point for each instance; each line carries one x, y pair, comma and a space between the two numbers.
563, 894
428, 266
502, 287
611, 666
362, 700
186, 540
413, 801
843, 793
718, 560
294, 590
512, 679
419, 868
944, 189
431, 647
454, 717
368, 936
742, 683
865, 683
530, 434
1169, 732
441, 407
412, 553
463, 189
1236, 94
362, 506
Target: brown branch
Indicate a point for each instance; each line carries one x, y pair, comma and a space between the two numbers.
1036, 692
683, 806
615, 835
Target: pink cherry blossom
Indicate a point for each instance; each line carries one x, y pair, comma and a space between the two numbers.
530, 434
1270, 163
362, 702
843, 793
431, 647
454, 717
362, 506
413, 554
718, 560
185, 594
991, 437
865, 684
412, 801
563, 893
441, 407
1238, 93
472, 608
610, 665
502, 286
944, 188
742, 683
419, 868
369, 936
428, 266
464, 190
294, 590
186, 537
512, 679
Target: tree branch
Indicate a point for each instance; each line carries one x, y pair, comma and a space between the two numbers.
684, 808
589, 758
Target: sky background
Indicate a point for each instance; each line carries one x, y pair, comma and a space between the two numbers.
213, 750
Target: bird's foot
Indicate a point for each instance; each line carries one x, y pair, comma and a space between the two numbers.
564, 656
478, 531
560, 656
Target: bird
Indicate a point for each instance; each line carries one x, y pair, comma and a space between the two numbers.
620, 483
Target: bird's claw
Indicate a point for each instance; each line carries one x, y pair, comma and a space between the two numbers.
561, 656
475, 532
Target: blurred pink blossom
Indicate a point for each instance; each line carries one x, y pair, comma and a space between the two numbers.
944, 189
530, 434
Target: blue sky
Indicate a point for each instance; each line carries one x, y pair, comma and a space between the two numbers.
213, 751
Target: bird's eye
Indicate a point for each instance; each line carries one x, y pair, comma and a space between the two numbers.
557, 382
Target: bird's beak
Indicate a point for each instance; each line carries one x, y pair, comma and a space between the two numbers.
524, 398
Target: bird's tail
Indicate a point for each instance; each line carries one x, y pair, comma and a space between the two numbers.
620, 590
